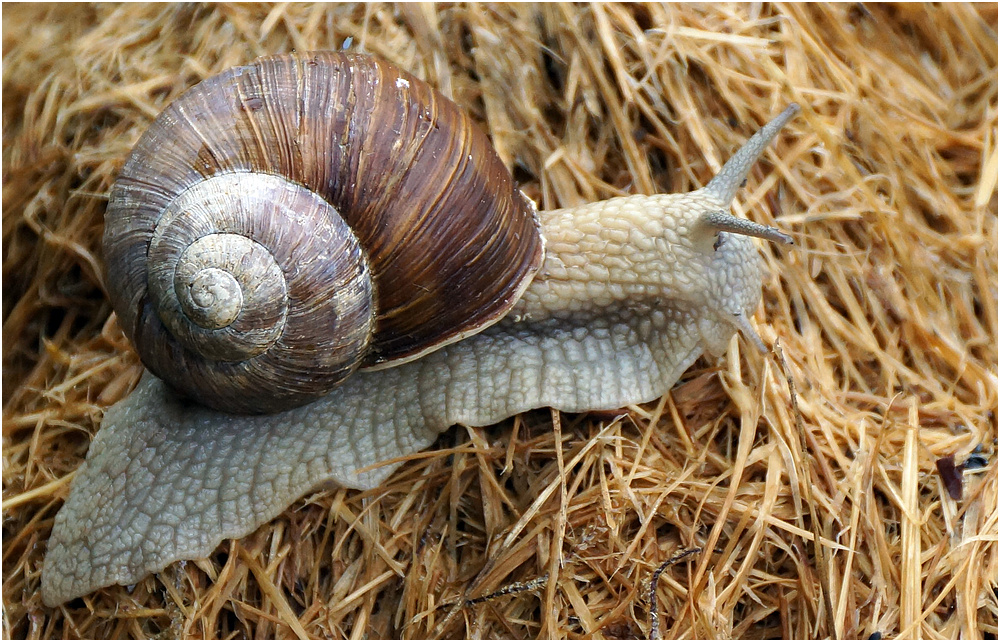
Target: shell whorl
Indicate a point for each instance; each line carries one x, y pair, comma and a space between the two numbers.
287, 222
227, 279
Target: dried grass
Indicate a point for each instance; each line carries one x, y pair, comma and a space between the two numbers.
821, 518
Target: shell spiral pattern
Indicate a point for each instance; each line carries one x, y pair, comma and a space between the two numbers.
287, 222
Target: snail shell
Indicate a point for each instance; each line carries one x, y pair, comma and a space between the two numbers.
287, 222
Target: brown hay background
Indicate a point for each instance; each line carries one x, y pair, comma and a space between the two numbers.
886, 310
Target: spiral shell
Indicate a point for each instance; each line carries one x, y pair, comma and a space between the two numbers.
284, 223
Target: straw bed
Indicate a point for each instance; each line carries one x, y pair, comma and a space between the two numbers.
811, 510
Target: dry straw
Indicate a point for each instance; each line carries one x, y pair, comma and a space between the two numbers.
818, 513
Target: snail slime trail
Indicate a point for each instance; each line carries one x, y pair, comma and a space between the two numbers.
300, 286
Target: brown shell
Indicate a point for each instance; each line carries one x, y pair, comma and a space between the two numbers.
449, 241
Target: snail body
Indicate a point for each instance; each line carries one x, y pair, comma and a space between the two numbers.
626, 294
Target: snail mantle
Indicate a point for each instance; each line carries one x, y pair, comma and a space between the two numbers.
293, 239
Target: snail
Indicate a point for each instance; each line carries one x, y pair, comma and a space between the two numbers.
323, 264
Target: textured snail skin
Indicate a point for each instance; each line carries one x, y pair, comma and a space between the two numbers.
631, 292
